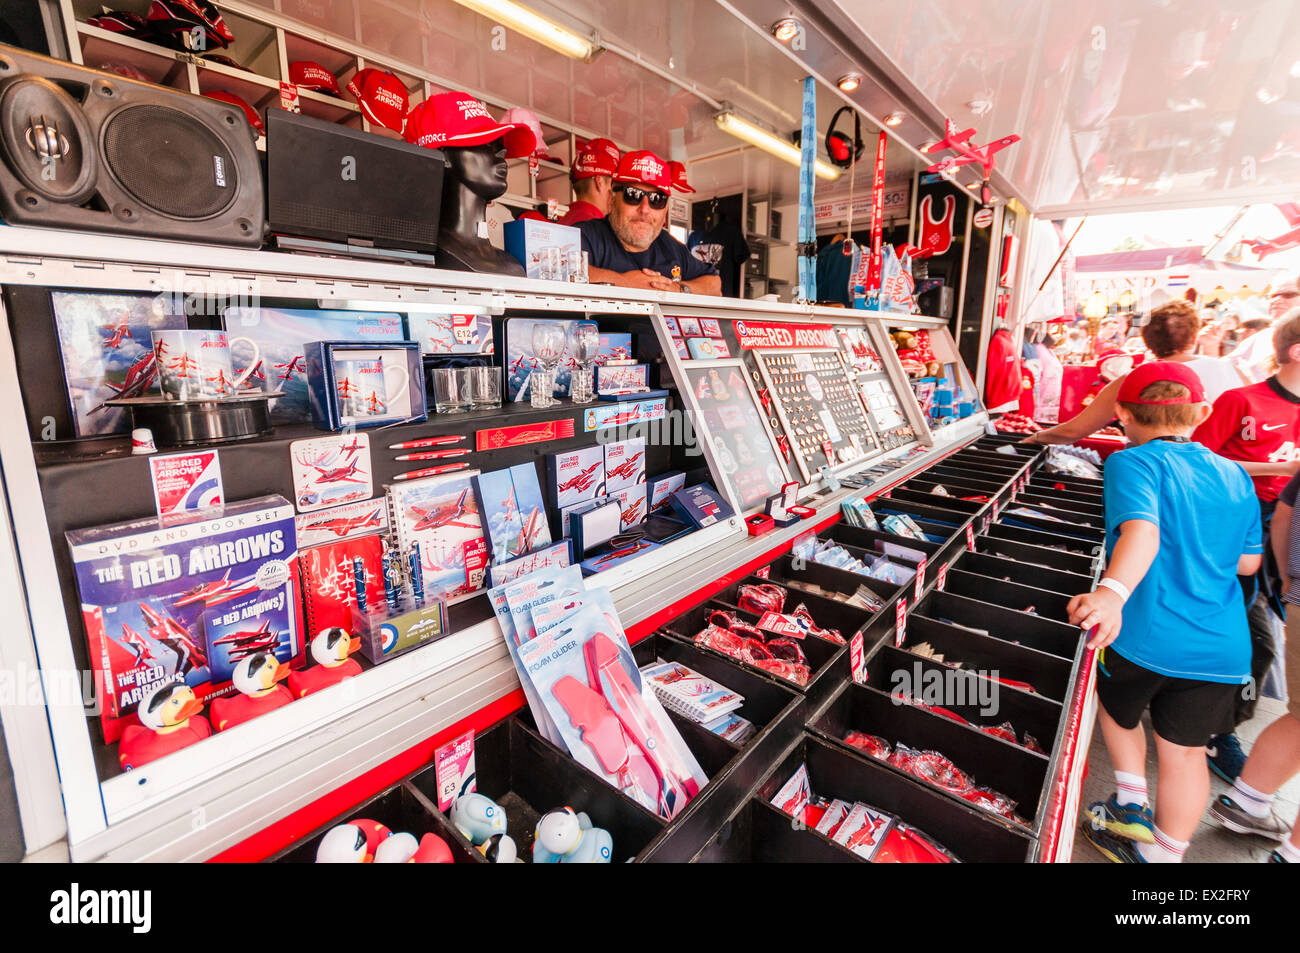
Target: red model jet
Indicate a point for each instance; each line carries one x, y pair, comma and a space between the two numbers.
289, 368
205, 591
116, 333
163, 628
579, 481
626, 468
444, 514
346, 474
968, 152
636, 547
136, 644
342, 525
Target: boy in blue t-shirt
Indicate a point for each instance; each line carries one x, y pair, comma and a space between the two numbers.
1181, 524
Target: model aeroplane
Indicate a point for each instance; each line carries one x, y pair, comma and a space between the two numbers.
967, 153
579, 481
342, 525
635, 548
444, 514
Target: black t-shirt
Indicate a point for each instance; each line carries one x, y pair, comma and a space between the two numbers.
726, 249
600, 242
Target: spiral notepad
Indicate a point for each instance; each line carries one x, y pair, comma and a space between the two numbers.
689, 693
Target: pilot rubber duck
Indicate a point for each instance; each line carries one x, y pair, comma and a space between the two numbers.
330, 650
355, 842
169, 720
500, 849
398, 849
257, 679
478, 817
565, 837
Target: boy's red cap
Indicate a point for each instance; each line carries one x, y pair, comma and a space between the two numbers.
1130, 392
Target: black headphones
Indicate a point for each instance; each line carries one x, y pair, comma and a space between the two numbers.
841, 151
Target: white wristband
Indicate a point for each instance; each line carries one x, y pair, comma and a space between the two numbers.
1116, 587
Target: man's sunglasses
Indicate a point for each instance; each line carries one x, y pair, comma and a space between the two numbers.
633, 196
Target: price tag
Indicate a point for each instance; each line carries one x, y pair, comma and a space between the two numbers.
984, 525
828, 448
970, 538
857, 659
941, 579
995, 508
290, 101
764, 572
900, 622
920, 580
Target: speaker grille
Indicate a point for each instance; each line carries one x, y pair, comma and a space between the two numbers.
169, 162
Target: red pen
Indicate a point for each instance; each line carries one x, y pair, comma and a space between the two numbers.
434, 454
427, 442
430, 471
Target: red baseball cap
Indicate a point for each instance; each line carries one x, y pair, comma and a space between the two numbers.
310, 75
596, 157
1130, 392
254, 119
458, 119
678, 171
643, 167
520, 116
381, 96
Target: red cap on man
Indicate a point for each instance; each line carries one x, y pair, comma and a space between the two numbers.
382, 97
643, 167
1153, 372
678, 171
596, 157
458, 119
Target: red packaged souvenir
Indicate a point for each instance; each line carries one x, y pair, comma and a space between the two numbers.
1006, 731
761, 598
873, 745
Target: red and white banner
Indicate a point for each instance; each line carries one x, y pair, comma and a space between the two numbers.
758, 336
877, 214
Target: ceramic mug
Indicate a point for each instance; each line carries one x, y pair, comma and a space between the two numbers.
196, 365
362, 386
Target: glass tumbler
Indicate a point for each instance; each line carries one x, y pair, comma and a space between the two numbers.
485, 387
452, 390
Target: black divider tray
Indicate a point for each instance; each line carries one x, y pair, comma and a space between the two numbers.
947, 521
401, 809
1010, 595
824, 657
1008, 769
1072, 483
1042, 482
976, 467
1032, 555
1072, 524
994, 658
1000, 567
1056, 638
970, 834
1048, 491
991, 458
936, 500
867, 539
760, 834
781, 571
1020, 534
528, 776
963, 485
1084, 513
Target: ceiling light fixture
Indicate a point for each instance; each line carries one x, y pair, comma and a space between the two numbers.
785, 29
849, 82
762, 139
535, 27
894, 119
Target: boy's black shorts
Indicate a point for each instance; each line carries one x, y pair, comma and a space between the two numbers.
1184, 711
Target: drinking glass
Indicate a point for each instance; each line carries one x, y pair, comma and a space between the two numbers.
485, 387
451, 390
548, 347
584, 342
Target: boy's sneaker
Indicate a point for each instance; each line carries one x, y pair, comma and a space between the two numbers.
1225, 756
1231, 815
1118, 850
1128, 820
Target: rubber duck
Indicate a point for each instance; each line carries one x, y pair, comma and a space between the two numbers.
499, 849
566, 837
330, 650
433, 850
478, 817
169, 720
345, 844
398, 849
257, 679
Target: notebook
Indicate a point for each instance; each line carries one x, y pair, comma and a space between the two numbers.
689, 693
329, 581
442, 516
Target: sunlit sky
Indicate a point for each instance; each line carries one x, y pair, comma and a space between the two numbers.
1103, 233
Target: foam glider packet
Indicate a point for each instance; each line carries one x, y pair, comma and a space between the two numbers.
609, 719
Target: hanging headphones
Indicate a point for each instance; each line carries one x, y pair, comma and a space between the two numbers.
843, 152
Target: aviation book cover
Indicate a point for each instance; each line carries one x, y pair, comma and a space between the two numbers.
150, 592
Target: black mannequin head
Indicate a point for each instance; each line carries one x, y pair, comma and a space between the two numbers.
481, 169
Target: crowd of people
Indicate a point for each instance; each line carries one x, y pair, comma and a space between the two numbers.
1203, 542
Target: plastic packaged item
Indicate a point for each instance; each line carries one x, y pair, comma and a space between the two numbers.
873, 745
1031, 743
1006, 731
993, 802
884, 570
904, 844
761, 598
729, 621
1060, 461
801, 614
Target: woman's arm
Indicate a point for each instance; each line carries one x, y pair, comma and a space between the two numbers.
1086, 422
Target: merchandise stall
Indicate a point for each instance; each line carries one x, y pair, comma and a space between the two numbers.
318, 561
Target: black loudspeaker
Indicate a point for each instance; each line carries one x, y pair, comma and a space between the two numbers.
94, 151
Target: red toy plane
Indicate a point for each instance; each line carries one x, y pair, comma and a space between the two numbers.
626, 468
579, 481
444, 514
636, 547
205, 590
116, 333
289, 368
342, 525
346, 474
968, 152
